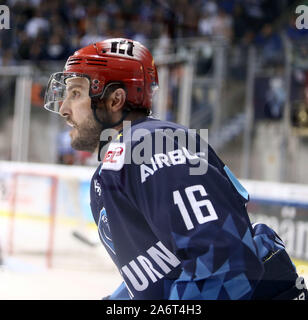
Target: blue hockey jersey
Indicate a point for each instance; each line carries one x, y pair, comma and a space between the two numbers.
173, 234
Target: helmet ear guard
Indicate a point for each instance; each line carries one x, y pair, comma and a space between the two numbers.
101, 96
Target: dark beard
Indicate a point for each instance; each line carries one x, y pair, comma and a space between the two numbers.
88, 136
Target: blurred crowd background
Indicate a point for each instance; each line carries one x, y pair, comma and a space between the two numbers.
52, 30
213, 36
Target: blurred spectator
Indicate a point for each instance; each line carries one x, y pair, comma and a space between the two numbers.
210, 8
23, 46
146, 10
222, 25
270, 45
140, 31
205, 59
205, 25
57, 49
91, 35
38, 50
37, 24
254, 13
228, 5
239, 22
113, 12
163, 44
158, 22
112, 8
190, 21
275, 98
128, 10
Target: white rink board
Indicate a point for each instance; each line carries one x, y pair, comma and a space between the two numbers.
283, 193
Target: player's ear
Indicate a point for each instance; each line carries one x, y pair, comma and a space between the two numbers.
116, 100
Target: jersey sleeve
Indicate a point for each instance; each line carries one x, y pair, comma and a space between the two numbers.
200, 218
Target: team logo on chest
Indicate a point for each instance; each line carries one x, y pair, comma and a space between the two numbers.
114, 157
104, 230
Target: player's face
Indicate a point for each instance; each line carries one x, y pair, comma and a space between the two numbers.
76, 108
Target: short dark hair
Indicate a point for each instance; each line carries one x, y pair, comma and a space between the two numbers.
118, 85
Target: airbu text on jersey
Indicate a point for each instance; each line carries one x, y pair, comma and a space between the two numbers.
159, 160
153, 266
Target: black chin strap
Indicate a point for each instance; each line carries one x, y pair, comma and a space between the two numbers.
106, 125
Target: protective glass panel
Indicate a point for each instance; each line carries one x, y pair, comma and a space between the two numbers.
56, 91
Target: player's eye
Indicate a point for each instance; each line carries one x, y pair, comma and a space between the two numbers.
75, 93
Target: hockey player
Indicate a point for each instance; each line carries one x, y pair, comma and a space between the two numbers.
169, 212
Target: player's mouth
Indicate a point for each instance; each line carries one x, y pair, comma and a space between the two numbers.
71, 124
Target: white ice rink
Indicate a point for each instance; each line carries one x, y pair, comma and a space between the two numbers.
26, 282
78, 272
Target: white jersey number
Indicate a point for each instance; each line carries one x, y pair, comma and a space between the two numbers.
196, 206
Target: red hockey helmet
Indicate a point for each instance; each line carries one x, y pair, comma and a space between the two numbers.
110, 61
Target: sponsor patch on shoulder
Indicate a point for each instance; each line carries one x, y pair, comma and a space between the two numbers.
114, 157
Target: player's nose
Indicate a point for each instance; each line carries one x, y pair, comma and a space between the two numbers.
65, 109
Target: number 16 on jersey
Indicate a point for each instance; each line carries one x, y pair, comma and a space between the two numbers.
196, 206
